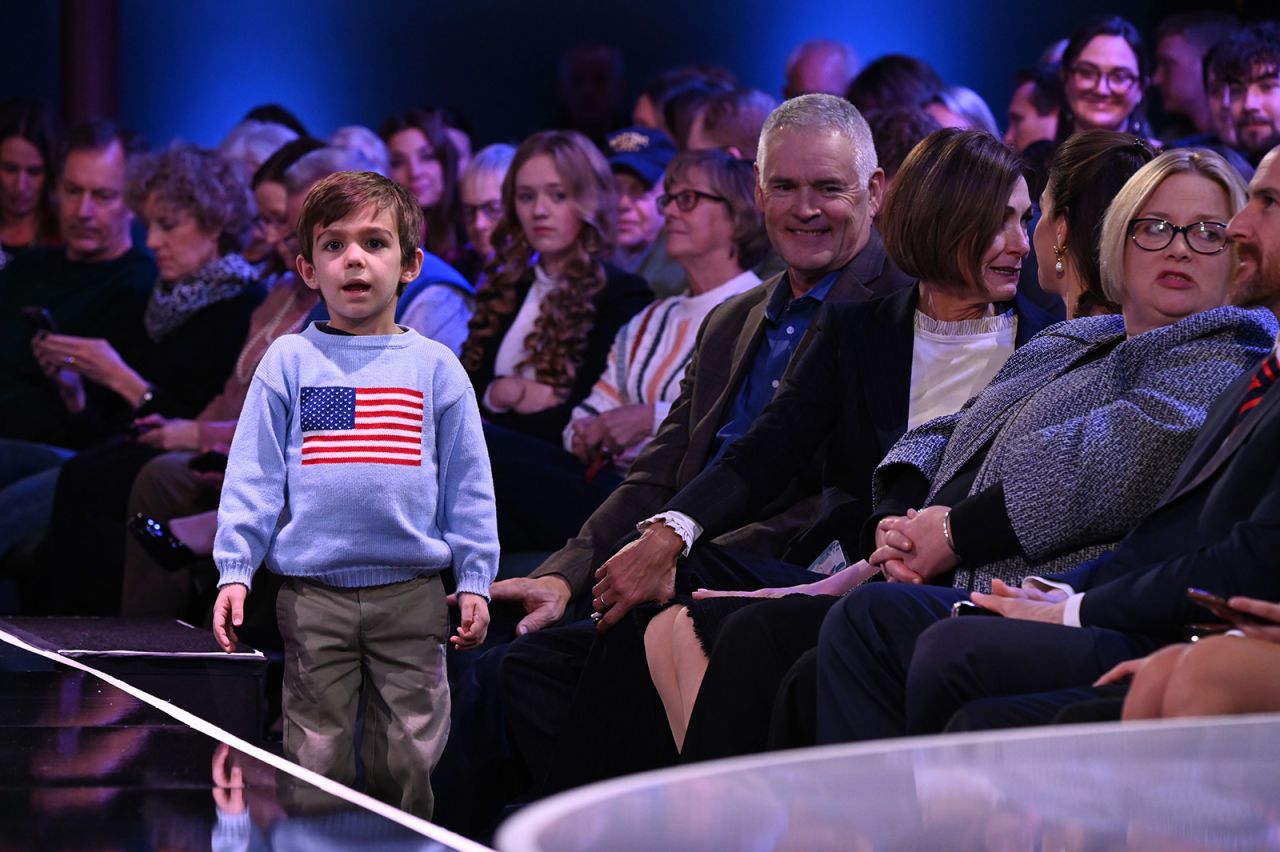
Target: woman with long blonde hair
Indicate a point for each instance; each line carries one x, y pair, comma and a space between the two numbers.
550, 307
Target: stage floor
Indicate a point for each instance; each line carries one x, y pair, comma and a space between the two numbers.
1168, 786
87, 765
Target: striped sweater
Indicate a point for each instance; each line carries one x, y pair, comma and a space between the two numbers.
649, 356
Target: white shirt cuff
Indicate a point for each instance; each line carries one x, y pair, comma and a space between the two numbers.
1071, 612
684, 526
1040, 584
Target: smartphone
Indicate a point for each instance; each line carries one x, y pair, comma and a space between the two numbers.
1219, 607
210, 462
40, 318
960, 608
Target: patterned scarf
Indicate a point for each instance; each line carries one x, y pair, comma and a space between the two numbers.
172, 303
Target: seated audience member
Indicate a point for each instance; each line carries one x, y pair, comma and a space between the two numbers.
590, 83
357, 137
28, 141
1215, 86
896, 132
1033, 109
549, 307
92, 286
817, 164
96, 285
647, 111
1182, 40
1164, 260
731, 121
480, 188
683, 105
716, 234
460, 133
271, 200
424, 161
1215, 676
875, 370
1104, 73
158, 576
957, 106
276, 114
894, 81
1223, 139
1250, 65
820, 66
250, 143
198, 214
637, 158
1087, 172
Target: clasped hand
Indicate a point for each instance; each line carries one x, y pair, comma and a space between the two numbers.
612, 432
912, 548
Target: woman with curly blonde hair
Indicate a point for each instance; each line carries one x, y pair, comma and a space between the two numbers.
549, 308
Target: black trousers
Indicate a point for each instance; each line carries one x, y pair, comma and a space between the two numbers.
580, 706
891, 662
742, 706
85, 542
542, 493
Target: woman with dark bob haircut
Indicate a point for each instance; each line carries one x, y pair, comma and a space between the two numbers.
28, 145
716, 233
198, 214
1085, 174
955, 218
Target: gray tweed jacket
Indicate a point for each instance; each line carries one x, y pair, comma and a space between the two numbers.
1085, 443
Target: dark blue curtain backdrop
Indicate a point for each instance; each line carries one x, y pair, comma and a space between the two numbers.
192, 69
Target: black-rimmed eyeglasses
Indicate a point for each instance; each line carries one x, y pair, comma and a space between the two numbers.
1157, 234
1087, 76
688, 199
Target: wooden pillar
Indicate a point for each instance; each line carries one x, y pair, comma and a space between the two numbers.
90, 60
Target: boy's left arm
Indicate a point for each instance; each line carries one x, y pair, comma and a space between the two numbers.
467, 517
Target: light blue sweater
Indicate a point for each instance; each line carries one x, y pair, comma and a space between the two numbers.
358, 461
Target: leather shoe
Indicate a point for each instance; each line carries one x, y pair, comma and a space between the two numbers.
161, 544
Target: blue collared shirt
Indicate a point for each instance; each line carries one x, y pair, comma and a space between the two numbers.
786, 321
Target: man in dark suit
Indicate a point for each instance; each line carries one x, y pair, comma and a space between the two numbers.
730, 363
819, 187
890, 662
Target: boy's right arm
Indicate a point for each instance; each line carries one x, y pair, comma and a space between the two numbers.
253, 493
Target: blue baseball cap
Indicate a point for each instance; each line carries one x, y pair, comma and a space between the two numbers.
643, 151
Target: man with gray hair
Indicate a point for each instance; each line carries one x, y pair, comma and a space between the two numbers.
819, 186
820, 66
436, 304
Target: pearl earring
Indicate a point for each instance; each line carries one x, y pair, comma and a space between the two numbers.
1059, 267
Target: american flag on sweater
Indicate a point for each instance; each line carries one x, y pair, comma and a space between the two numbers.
361, 425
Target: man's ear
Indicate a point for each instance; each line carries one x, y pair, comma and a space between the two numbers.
755, 167
414, 269
875, 191
308, 272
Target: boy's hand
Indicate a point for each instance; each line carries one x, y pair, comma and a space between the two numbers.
228, 610
475, 621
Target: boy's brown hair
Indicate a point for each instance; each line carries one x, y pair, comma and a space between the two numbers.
342, 193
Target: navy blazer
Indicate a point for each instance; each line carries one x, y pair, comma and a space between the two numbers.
1217, 528
847, 396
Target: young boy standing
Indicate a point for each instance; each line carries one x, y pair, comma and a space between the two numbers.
359, 472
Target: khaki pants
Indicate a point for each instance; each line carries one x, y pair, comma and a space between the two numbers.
385, 645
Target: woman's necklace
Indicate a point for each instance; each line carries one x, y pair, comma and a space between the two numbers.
263, 336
